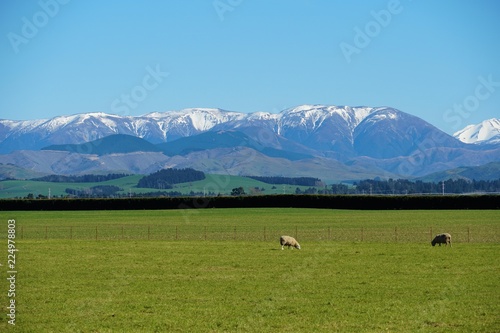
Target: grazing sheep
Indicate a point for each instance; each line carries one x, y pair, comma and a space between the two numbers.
289, 241
442, 239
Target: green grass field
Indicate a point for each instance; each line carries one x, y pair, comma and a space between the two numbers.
239, 284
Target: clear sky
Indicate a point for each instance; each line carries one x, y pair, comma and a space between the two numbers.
438, 60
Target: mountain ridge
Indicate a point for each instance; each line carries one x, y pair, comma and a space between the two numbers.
158, 127
379, 141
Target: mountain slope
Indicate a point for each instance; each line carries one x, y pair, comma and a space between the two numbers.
10, 171
430, 160
223, 139
113, 144
488, 171
388, 133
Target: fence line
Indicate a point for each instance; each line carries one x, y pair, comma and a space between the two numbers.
460, 234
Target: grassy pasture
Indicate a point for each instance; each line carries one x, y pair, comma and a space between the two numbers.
226, 284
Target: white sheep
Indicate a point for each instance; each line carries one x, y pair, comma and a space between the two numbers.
289, 241
444, 238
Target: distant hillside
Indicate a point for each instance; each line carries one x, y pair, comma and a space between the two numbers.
10, 171
113, 144
224, 139
483, 172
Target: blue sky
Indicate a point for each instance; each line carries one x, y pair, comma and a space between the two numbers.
438, 60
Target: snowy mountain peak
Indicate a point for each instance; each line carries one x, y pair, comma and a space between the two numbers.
314, 115
197, 119
487, 131
383, 114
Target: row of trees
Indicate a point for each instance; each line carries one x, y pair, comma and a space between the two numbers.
404, 186
80, 179
296, 181
299, 201
101, 191
164, 179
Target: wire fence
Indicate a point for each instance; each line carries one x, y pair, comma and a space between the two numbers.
460, 234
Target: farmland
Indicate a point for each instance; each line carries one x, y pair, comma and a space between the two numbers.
214, 270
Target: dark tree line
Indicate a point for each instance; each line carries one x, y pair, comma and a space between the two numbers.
404, 186
488, 201
101, 191
80, 179
164, 179
298, 181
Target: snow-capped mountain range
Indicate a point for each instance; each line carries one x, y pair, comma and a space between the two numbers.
166, 126
369, 140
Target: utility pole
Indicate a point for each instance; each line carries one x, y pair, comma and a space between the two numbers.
443, 186
49, 192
